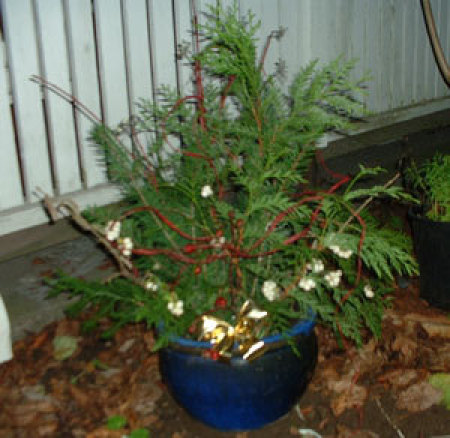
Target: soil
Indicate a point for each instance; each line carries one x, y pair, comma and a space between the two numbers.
380, 390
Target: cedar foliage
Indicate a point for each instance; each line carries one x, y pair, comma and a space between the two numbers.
253, 144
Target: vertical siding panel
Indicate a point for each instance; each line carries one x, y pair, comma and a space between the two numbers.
430, 66
84, 84
330, 21
164, 55
183, 41
355, 31
23, 61
401, 41
55, 68
371, 49
388, 60
410, 58
267, 13
345, 19
305, 31
422, 45
290, 48
443, 26
319, 31
269, 23
138, 60
112, 61
10, 180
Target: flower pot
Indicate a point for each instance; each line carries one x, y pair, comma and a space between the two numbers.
432, 247
240, 394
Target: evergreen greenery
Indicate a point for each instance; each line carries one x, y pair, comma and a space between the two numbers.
257, 234
430, 182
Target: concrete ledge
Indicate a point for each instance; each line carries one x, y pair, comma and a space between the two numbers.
387, 147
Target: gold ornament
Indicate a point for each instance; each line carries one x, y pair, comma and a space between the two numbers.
223, 336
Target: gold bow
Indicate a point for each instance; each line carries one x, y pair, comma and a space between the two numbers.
224, 336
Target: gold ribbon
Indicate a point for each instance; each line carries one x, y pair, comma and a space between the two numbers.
223, 336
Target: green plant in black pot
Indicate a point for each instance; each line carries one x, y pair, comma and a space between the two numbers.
430, 183
217, 244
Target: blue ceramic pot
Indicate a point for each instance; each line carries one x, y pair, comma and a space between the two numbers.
240, 395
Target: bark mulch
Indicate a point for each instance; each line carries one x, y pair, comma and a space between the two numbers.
64, 383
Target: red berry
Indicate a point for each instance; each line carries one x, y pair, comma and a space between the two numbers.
197, 270
214, 355
221, 303
189, 249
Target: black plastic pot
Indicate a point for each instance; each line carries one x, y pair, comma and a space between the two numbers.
432, 248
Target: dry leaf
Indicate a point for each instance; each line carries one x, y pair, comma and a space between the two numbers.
345, 432
64, 347
68, 327
406, 346
82, 399
353, 397
104, 432
419, 397
400, 377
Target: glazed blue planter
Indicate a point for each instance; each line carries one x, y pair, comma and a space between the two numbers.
240, 395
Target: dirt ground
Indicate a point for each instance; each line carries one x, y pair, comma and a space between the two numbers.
381, 390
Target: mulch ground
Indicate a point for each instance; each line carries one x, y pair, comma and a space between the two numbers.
381, 390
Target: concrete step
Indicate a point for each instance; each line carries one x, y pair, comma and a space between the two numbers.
23, 288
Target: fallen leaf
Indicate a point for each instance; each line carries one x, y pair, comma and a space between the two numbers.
80, 396
38, 261
47, 273
353, 397
406, 346
419, 397
127, 345
64, 347
68, 327
400, 378
345, 432
47, 429
308, 433
434, 325
440, 359
441, 381
38, 341
104, 432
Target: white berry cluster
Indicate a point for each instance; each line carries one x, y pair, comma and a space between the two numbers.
343, 253
151, 285
368, 291
217, 242
306, 284
207, 191
112, 233
176, 307
112, 230
315, 266
333, 278
125, 245
270, 290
